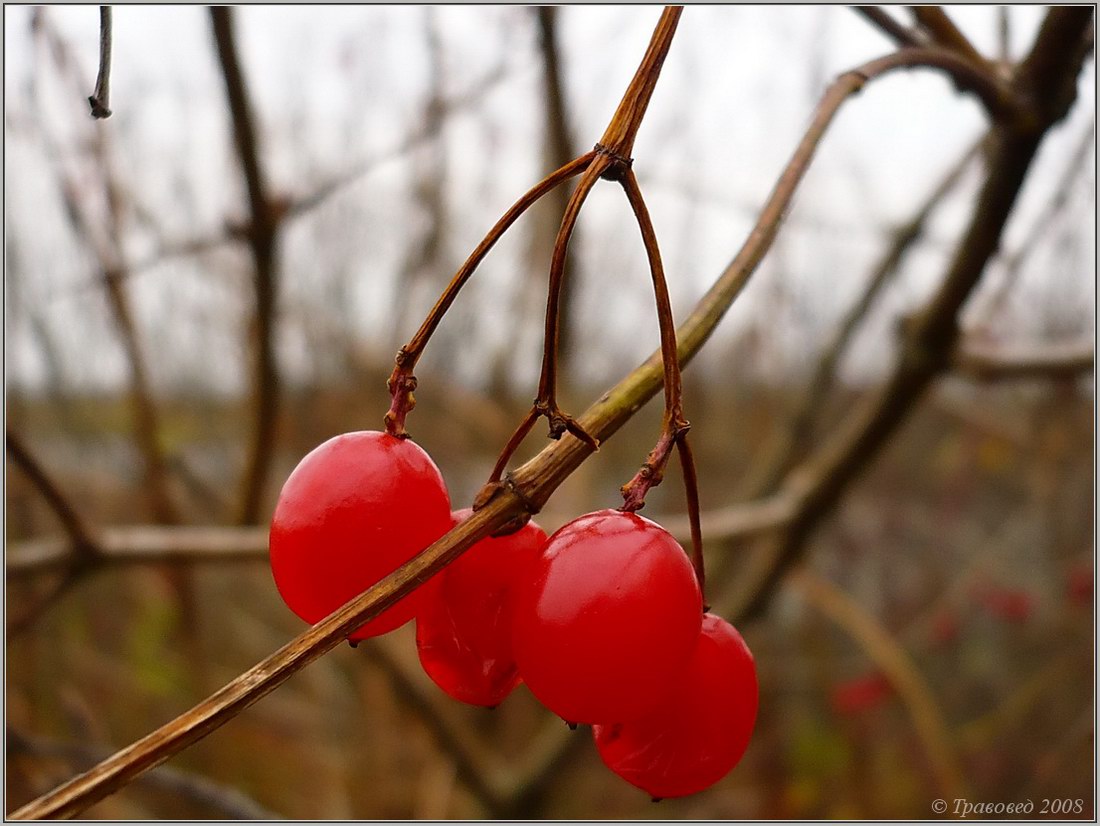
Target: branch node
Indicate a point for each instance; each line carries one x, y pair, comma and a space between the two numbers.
618, 166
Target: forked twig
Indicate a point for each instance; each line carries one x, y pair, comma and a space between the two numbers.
610, 159
402, 382
1047, 77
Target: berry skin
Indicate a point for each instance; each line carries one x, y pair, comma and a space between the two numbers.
354, 510
464, 628
607, 616
702, 727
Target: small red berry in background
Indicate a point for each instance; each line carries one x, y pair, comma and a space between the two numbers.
1079, 584
608, 615
702, 727
464, 627
1008, 604
945, 627
353, 511
860, 694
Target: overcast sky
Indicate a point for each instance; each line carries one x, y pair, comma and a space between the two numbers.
335, 87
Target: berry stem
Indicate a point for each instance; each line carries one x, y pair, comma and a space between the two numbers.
691, 488
402, 382
674, 425
674, 428
513, 443
546, 403
609, 159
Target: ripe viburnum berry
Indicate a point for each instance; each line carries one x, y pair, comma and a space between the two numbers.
464, 627
354, 510
702, 727
607, 616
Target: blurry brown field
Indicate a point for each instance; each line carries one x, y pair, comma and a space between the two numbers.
935, 641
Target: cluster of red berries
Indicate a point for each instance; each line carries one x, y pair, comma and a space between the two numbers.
603, 620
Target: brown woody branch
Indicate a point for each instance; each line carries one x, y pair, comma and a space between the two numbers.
1043, 362
263, 229
558, 149
402, 382
881, 19
943, 30
1041, 229
1047, 78
80, 536
215, 797
81, 551
100, 101
143, 544
791, 442
527, 488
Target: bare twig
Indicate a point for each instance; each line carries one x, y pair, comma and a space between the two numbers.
1041, 229
1047, 77
559, 149
738, 521
81, 551
402, 382
216, 797
470, 763
107, 247
944, 31
1004, 35
262, 235
1043, 362
900, 670
100, 101
882, 20
43, 601
527, 488
790, 442
429, 174
78, 532
144, 544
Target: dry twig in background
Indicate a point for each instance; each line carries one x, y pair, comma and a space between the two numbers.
100, 100
265, 217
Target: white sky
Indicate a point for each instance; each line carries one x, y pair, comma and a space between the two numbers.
337, 85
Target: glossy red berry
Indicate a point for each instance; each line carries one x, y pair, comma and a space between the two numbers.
464, 628
607, 616
702, 727
354, 510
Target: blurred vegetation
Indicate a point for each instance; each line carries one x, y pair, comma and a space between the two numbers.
937, 642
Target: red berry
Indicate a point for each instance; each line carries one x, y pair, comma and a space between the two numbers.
1008, 604
464, 628
702, 727
608, 614
354, 510
1079, 582
860, 694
